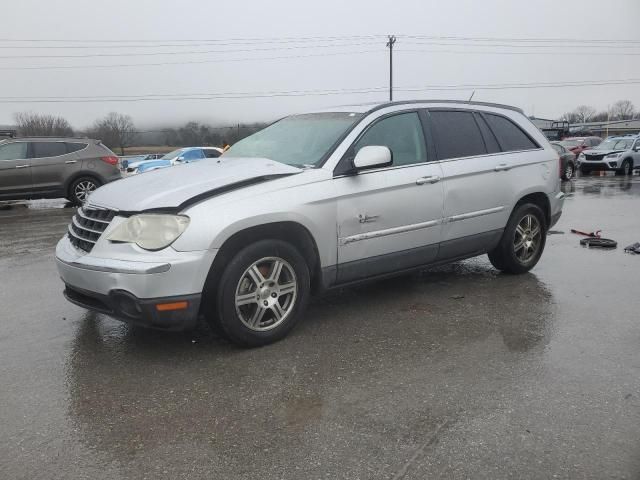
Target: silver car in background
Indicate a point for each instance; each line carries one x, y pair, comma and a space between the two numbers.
313, 202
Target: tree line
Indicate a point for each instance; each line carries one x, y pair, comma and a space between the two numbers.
621, 110
118, 131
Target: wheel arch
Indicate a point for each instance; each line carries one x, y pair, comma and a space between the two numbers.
289, 231
537, 198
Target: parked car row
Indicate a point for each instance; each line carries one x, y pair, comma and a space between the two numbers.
181, 155
619, 153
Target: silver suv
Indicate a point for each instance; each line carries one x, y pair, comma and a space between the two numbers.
313, 202
54, 167
619, 153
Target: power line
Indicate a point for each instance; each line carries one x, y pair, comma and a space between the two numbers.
187, 62
318, 38
475, 52
297, 93
193, 52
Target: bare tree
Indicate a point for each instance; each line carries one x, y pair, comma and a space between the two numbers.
115, 130
32, 124
622, 110
570, 117
584, 113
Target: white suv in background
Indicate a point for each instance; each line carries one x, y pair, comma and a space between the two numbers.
313, 202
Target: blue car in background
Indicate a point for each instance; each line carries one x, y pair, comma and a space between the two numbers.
182, 155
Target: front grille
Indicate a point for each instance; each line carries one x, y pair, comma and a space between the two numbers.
593, 157
87, 225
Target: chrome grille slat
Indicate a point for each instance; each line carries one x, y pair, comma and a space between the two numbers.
87, 225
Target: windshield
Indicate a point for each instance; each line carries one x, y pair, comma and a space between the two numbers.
615, 144
174, 154
299, 140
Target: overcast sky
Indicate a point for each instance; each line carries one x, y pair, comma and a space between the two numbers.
421, 58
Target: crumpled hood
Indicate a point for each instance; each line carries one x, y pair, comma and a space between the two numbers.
172, 187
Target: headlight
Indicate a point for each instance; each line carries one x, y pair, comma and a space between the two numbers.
613, 155
581, 156
150, 231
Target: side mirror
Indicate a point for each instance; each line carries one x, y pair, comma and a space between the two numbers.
373, 156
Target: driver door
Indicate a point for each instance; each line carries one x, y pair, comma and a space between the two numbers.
390, 218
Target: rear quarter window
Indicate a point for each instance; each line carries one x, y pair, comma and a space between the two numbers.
510, 136
75, 147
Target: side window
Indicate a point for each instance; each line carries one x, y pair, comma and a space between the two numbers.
194, 154
403, 135
456, 134
75, 147
489, 138
48, 149
211, 153
510, 136
13, 151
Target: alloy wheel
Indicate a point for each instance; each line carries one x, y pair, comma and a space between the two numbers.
527, 238
83, 189
266, 293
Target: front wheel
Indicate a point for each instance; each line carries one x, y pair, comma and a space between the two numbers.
626, 168
522, 241
262, 293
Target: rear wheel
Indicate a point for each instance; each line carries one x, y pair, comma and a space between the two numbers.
262, 293
569, 170
81, 188
522, 242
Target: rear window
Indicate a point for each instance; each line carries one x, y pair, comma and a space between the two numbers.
510, 136
74, 147
48, 149
456, 134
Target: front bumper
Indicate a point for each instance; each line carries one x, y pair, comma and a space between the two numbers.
599, 165
135, 291
151, 313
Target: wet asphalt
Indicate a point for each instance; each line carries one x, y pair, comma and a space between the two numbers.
456, 372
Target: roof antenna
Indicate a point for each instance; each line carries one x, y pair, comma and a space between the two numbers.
472, 94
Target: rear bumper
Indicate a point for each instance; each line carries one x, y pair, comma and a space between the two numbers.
151, 313
557, 202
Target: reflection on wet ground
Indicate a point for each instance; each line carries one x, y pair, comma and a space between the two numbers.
453, 372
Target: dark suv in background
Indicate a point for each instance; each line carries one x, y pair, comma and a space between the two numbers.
54, 167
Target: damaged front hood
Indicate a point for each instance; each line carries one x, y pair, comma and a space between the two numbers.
177, 187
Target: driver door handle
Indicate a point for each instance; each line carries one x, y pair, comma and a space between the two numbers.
71, 161
22, 166
502, 167
425, 180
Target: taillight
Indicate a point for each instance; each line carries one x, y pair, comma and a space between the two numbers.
111, 159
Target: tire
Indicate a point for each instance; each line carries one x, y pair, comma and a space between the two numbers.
626, 168
521, 246
569, 171
270, 304
80, 189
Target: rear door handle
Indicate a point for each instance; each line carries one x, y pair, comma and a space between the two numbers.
502, 167
71, 161
425, 180
22, 166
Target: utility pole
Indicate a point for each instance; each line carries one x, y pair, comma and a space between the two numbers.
390, 43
